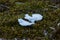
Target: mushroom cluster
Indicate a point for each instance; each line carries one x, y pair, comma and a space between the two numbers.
32, 19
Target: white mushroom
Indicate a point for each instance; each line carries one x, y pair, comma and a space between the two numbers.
24, 23
35, 17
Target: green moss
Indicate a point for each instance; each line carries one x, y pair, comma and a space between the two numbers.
8, 19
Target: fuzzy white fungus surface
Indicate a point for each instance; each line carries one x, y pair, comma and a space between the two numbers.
32, 19
24, 23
